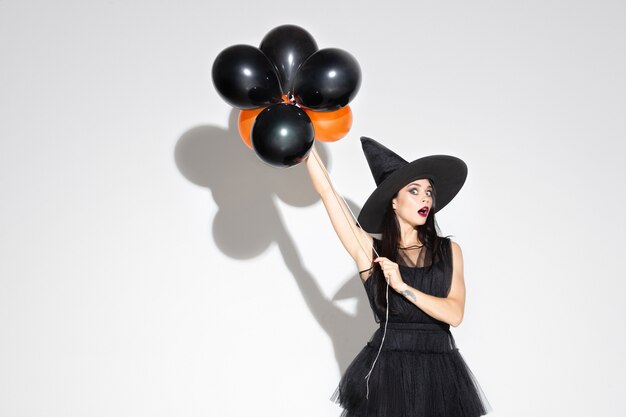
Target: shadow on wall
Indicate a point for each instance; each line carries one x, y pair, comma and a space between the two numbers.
248, 222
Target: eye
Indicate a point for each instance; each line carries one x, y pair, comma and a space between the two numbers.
429, 193
413, 191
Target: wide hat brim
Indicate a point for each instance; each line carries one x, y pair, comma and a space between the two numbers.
447, 174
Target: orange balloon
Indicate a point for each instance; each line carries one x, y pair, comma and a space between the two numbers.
246, 120
332, 125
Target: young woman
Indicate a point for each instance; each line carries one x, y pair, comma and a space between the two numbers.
414, 280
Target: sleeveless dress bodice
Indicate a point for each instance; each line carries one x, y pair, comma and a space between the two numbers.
428, 279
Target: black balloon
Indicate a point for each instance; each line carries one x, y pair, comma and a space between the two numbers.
288, 46
245, 77
328, 80
282, 135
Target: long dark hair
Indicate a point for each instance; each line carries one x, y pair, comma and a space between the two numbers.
428, 234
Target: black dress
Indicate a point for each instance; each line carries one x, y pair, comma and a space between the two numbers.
420, 371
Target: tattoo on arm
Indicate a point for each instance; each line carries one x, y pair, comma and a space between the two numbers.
408, 294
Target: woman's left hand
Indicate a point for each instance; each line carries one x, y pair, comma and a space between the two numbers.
391, 272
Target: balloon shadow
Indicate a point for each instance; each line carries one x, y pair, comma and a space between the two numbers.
248, 221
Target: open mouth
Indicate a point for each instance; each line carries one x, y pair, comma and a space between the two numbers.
423, 211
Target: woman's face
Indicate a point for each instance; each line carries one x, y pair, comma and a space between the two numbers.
414, 202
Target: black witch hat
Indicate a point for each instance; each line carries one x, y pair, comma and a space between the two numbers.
391, 173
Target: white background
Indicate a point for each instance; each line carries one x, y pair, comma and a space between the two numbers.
150, 265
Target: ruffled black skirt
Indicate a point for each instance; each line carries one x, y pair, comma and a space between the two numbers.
419, 373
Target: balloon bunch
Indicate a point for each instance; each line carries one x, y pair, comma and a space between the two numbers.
289, 93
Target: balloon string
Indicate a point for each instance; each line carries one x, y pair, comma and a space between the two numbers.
327, 175
367, 377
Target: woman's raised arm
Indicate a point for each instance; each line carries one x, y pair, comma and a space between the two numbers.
357, 242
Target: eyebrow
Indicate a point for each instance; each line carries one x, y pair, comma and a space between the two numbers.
418, 185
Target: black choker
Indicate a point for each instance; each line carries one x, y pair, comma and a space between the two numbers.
411, 247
